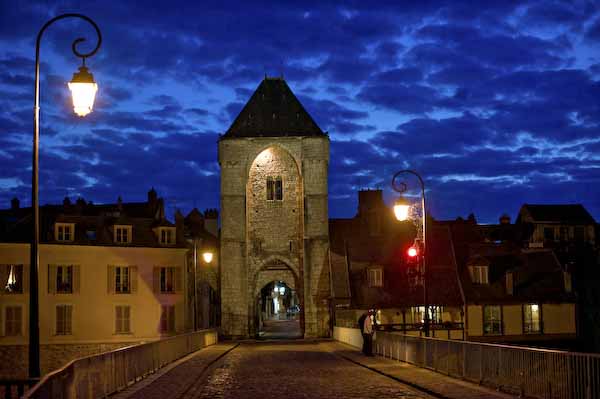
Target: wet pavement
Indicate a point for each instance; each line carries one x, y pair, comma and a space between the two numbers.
296, 369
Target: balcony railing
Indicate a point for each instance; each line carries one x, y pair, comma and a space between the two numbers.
528, 372
101, 375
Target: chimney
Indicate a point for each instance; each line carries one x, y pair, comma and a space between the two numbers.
14, 203
179, 227
211, 221
152, 196
504, 219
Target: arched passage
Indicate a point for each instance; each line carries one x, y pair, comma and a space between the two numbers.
277, 301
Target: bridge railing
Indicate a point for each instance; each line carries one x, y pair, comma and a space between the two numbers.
103, 374
528, 372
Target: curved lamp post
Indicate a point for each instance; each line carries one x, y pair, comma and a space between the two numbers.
401, 208
83, 89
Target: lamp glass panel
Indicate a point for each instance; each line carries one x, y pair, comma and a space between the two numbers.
83, 95
401, 211
207, 256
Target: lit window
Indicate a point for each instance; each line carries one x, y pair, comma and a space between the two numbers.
167, 319
122, 320
122, 234
531, 319
64, 319
492, 320
11, 279
479, 274
375, 277
64, 231
274, 189
13, 320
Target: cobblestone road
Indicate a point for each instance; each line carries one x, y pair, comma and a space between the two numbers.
290, 370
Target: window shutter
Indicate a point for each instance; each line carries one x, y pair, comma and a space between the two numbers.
163, 318
69, 319
178, 279
111, 279
127, 318
133, 278
171, 318
25, 275
19, 317
118, 318
59, 326
2, 326
76, 279
51, 279
156, 279
4, 270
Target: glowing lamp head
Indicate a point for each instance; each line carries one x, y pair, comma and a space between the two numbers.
401, 208
412, 252
83, 90
207, 256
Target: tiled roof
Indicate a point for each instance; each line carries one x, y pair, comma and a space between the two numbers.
387, 249
16, 224
273, 111
571, 214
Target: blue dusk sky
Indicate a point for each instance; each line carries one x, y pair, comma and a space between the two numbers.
495, 103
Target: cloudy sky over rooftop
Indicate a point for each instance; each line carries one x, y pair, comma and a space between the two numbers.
495, 103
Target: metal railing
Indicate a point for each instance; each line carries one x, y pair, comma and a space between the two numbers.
15, 388
528, 372
103, 374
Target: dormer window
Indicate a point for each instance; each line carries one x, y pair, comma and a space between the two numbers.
166, 235
122, 234
64, 231
479, 274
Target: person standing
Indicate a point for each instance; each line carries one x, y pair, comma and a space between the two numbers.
367, 332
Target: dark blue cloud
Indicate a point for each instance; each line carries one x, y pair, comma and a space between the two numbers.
496, 103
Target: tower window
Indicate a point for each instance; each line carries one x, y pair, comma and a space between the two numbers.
274, 189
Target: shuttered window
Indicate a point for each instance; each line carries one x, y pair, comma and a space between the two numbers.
64, 319
122, 319
375, 277
122, 279
167, 319
13, 320
63, 279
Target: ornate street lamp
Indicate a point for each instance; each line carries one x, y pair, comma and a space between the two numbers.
83, 89
401, 208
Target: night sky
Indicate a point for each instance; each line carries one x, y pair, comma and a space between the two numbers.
496, 103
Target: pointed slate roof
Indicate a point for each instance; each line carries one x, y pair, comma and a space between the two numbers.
273, 111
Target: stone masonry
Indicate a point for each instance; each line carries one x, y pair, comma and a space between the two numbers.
266, 240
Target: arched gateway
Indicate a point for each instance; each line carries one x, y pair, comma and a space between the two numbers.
274, 226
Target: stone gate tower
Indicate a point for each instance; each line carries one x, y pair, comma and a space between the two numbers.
274, 226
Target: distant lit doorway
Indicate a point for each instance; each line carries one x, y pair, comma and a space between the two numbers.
278, 310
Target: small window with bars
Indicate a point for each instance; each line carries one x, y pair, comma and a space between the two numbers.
274, 189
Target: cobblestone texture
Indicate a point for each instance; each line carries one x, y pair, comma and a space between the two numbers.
275, 370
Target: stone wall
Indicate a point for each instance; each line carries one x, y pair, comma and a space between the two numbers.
14, 359
256, 232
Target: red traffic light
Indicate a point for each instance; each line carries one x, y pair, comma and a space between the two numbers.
412, 252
